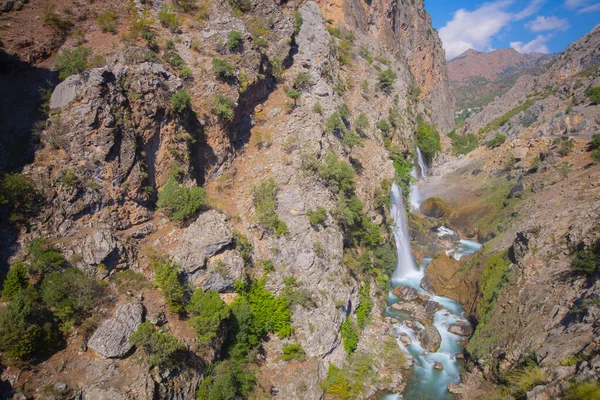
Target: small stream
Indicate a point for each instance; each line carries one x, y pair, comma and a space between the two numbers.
426, 382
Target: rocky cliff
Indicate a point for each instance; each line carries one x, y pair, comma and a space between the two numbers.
279, 111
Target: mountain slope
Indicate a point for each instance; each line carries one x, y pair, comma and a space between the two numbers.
476, 77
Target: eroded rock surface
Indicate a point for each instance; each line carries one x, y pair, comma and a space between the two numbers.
111, 339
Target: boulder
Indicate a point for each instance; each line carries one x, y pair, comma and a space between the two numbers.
434, 207
461, 328
516, 190
204, 238
406, 293
431, 307
111, 339
66, 92
438, 366
430, 338
443, 276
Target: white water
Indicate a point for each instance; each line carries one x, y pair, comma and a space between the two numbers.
406, 264
426, 382
415, 196
422, 164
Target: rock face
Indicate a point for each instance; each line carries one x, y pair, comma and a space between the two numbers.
461, 328
406, 293
434, 207
430, 338
111, 339
443, 276
209, 234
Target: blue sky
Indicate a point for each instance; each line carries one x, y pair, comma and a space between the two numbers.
525, 25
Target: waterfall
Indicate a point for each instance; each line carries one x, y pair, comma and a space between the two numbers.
406, 264
415, 196
422, 164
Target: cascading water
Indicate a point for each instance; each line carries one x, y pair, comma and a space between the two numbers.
415, 196
427, 382
406, 264
421, 162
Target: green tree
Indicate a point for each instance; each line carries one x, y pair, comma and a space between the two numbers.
16, 280
302, 81
338, 174
293, 351
497, 141
161, 349
594, 95
334, 124
361, 123
180, 101
24, 330
208, 314
234, 40
265, 202
363, 311
349, 335
228, 380
70, 295
223, 70
18, 197
386, 80
166, 276
107, 20
222, 107
71, 62
43, 258
180, 202
428, 139
317, 217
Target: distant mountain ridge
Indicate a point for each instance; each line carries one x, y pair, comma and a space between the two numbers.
476, 78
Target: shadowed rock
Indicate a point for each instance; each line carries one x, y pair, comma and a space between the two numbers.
430, 338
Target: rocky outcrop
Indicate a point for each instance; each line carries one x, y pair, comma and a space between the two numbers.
461, 328
111, 339
434, 207
430, 338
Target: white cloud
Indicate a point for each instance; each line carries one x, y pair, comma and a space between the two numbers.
541, 24
573, 4
537, 45
475, 29
589, 9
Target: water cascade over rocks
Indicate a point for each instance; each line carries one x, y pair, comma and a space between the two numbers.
421, 162
424, 319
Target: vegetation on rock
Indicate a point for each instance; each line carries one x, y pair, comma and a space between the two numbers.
179, 202
160, 349
208, 314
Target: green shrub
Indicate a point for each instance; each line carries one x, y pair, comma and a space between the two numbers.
293, 94
179, 202
363, 311
522, 380
596, 155
25, 329
186, 5
108, 20
180, 101
228, 380
293, 351
394, 117
317, 217
71, 62
208, 314
595, 142
16, 280
428, 139
243, 245
70, 295
54, 20
18, 197
240, 5
222, 107
269, 313
594, 95
161, 349
361, 123
265, 202
166, 277
337, 174
234, 40
302, 81
223, 70
386, 80
334, 124
497, 141
281, 228
297, 22
583, 391
384, 127
351, 139
345, 113
564, 145
318, 108
463, 144
586, 261
356, 224
169, 18
268, 266
365, 53
43, 258
349, 335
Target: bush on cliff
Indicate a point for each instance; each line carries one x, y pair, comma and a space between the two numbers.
166, 277
179, 202
208, 314
428, 139
161, 349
